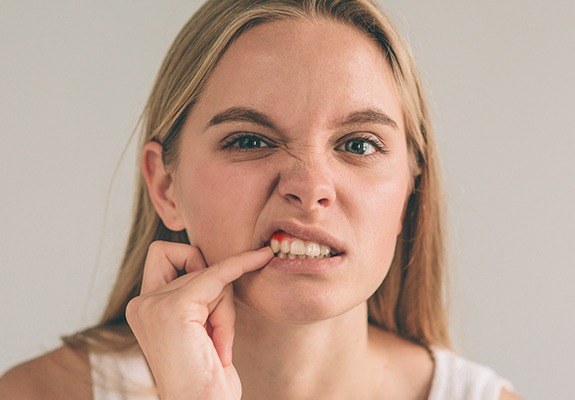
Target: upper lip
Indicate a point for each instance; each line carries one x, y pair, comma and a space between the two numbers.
305, 232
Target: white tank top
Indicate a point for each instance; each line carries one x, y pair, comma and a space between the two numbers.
125, 376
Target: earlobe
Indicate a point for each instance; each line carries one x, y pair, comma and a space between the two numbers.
160, 186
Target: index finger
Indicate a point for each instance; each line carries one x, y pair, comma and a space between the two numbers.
209, 284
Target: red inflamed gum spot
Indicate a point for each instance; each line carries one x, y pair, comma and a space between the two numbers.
280, 235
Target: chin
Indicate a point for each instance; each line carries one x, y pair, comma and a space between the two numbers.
295, 305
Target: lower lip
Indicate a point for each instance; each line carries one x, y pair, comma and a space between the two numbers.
306, 265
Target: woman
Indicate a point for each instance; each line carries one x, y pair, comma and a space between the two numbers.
287, 239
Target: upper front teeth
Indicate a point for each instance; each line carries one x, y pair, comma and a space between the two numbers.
298, 247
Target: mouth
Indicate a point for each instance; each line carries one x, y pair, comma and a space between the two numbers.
287, 246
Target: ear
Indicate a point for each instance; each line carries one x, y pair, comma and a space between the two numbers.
160, 186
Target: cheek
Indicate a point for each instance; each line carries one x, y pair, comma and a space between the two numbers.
377, 224
386, 209
221, 204
378, 201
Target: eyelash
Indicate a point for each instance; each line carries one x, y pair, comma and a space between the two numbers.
229, 143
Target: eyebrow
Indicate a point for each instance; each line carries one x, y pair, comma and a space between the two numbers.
234, 114
366, 116
246, 114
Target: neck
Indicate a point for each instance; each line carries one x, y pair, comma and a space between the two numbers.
326, 359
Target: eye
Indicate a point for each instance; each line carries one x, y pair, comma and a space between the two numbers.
359, 146
244, 142
363, 146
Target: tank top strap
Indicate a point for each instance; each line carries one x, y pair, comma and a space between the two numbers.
121, 376
458, 378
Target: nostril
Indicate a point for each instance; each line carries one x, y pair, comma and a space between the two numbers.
293, 197
323, 202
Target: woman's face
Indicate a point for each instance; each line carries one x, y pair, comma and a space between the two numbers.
326, 150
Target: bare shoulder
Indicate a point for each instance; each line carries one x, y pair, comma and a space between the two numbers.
63, 373
507, 395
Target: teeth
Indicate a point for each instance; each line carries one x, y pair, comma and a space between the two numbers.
298, 249
312, 249
285, 246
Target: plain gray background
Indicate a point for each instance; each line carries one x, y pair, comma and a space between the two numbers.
500, 79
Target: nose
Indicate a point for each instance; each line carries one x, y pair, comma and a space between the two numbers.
307, 184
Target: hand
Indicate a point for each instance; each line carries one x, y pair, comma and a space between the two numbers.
185, 325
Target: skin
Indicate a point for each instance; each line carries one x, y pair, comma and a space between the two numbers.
225, 199
296, 335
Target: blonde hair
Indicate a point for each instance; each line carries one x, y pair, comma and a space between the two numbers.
410, 301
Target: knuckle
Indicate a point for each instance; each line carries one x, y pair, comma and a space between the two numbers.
221, 278
156, 246
192, 251
194, 258
141, 306
132, 309
152, 308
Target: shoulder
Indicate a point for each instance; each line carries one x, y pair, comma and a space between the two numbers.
61, 373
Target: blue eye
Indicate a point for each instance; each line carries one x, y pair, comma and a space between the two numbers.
359, 146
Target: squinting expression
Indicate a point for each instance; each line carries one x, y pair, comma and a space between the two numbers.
299, 122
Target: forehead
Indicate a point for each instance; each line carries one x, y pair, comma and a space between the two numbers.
302, 72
